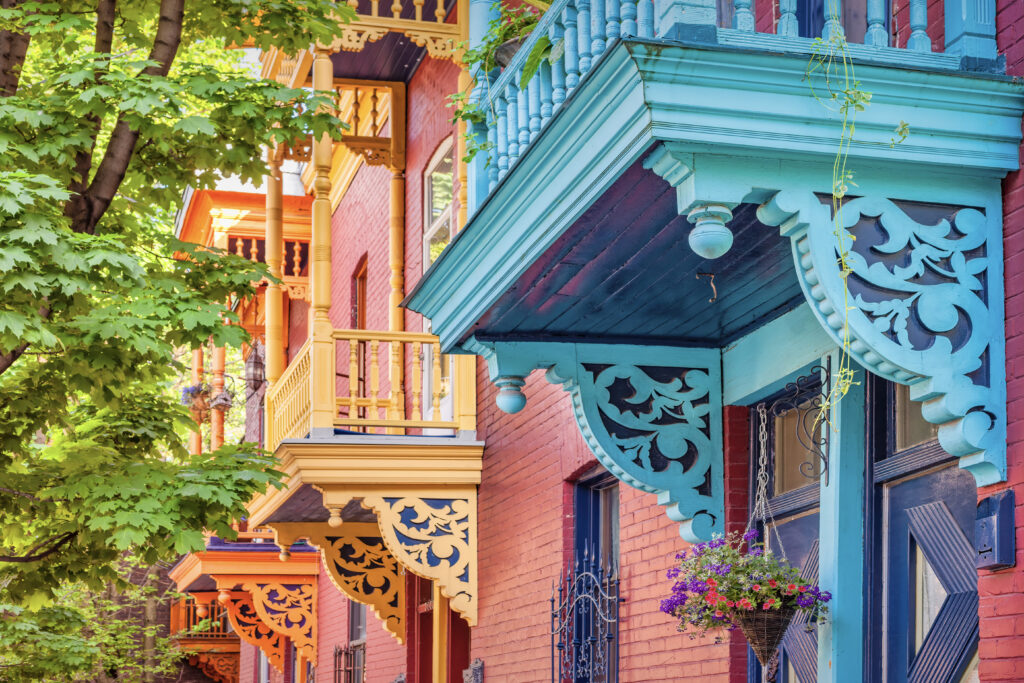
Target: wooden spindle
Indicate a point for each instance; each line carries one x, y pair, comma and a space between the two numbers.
417, 381
375, 8
501, 135
239, 249
296, 258
436, 370
523, 117
555, 34
355, 112
613, 24
788, 25
374, 379
546, 108
597, 28
373, 111
418, 5
254, 250
919, 40
513, 123
628, 11
492, 163
439, 14
743, 15
645, 18
572, 54
394, 412
583, 26
396, 9
876, 33
353, 378
534, 108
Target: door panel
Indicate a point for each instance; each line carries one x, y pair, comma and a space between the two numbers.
930, 583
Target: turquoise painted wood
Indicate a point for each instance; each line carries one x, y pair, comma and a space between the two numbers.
652, 415
762, 362
841, 539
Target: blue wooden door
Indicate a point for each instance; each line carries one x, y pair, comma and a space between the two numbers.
929, 581
797, 657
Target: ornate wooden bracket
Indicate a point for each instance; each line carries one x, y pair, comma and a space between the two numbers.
274, 607
222, 667
251, 628
652, 415
365, 106
433, 534
924, 307
359, 564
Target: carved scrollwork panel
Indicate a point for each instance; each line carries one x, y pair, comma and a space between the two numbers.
251, 628
363, 568
355, 39
289, 609
924, 307
222, 667
653, 417
434, 538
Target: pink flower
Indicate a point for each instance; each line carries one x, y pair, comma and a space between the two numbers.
772, 583
768, 603
711, 582
756, 586
802, 589
719, 613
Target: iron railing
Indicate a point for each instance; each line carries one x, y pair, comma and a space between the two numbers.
585, 624
350, 663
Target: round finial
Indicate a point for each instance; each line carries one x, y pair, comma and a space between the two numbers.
710, 238
334, 520
284, 555
223, 597
511, 398
202, 610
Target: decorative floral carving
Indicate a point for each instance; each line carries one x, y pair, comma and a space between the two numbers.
220, 666
363, 568
355, 39
290, 610
251, 628
436, 539
656, 427
438, 46
919, 313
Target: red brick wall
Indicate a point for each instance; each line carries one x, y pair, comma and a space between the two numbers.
1001, 593
298, 326
526, 526
385, 656
247, 663
332, 624
429, 124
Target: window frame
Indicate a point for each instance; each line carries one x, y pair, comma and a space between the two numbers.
431, 225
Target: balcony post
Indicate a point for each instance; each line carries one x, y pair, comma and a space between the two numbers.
274, 249
465, 85
321, 330
971, 33
441, 626
693, 20
481, 13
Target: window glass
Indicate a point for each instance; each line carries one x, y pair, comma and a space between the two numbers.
356, 622
911, 428
791, 429
262, 668
438, 184
928, 595
971, 675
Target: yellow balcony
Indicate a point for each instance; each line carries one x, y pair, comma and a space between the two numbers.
385, 383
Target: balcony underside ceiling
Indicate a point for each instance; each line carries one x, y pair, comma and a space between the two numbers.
624, 270
392, 58
306, 504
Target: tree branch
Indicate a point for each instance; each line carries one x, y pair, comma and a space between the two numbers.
37, 552
13, 47
86, 209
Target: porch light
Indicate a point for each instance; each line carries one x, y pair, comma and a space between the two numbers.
710, 238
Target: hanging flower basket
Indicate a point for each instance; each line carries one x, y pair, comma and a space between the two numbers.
197, 399
222, 401
733, 582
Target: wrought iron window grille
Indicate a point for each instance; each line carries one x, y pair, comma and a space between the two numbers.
585, 623
807, 396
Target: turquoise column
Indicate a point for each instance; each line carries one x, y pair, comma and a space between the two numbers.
841, 538
971, 33
481, 12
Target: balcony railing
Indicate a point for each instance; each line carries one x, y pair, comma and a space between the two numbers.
582, 30
187, 615
385, 383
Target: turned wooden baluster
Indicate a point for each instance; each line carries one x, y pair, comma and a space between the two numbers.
296, 259
439, 11
396, 9
353, 377
396, 372
355, 112
254, 250
375, 8
436, 370
374, 380
239, 249
417, 381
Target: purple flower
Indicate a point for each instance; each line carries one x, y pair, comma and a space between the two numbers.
681, 555
756, 552
750, 535
672, 573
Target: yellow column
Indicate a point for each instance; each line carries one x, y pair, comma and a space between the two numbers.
465, 84
321, 341
439, 646
274, 241
396, 316
195, 441
216, 387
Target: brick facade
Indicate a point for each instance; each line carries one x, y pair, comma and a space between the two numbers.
1001, 594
